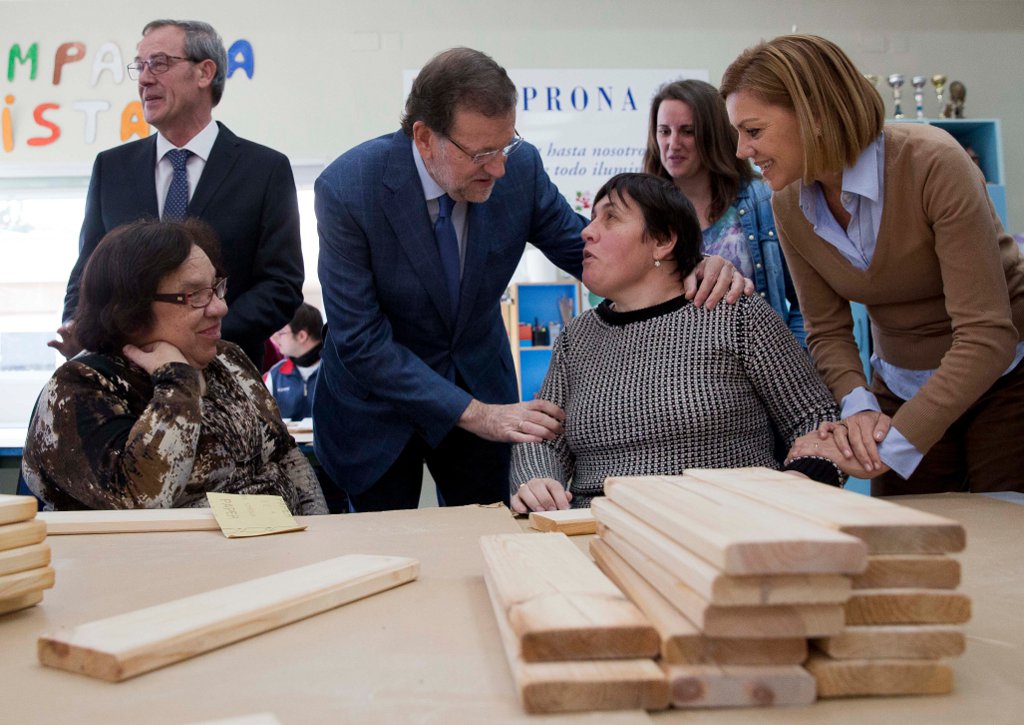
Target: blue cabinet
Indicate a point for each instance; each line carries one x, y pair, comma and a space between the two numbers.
545, 307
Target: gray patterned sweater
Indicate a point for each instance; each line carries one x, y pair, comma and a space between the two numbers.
107, 435
671, 387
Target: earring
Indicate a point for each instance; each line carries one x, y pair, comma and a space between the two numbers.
657, 262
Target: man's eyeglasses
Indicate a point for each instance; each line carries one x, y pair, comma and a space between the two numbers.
485, 156
199, 298
157, 64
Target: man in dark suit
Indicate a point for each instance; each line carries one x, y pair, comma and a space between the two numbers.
420, 232
245, 191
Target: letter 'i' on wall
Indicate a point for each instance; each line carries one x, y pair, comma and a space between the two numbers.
5, 122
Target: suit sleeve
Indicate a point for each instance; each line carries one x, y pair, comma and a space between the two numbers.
555, 228
360, 334
277, 269
92, 231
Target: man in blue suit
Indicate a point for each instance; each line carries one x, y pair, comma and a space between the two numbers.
245, 191
420, 233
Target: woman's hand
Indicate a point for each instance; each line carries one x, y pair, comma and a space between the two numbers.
813, 444
858, 437
153, 355
540, 494
718, 279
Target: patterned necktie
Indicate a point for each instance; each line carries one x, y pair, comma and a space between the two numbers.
176, 202
448, 247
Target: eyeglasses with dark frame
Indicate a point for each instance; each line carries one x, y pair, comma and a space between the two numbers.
157, 64
199, 298
485, 156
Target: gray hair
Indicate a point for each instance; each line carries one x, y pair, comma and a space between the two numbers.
201, 43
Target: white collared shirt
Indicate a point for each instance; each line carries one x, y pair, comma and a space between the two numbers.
200, 145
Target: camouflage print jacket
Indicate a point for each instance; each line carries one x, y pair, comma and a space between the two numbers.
106, 435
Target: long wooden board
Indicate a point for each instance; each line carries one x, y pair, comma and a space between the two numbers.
127, 521
847, 678
886, 527
25, 582
734, 533
24, 558
681, 641
922, 571
571, 522
709, 581
775, 621
16, 508
22, 601
559, 604
574, 686
907, 606
25, 533
130, 644
904, 641
705, 686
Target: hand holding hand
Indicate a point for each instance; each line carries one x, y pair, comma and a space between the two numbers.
67, 345
858, 437
812, 444
718, 279
153, 355
541, 494
529, 422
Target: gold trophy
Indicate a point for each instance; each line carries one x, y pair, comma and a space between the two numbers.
939, 81
918, 82
896, 82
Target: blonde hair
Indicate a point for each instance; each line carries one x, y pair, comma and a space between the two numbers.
840, 113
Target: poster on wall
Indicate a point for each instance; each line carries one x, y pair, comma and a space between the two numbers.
587, 124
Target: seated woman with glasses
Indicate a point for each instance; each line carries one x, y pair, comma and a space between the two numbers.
159, 410
651, 384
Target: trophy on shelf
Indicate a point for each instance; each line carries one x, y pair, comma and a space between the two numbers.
957, 96
939, 81
918, 82
896, 82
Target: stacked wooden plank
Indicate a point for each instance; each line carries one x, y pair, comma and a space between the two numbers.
904, 616
733, 587
573, 640
25, 569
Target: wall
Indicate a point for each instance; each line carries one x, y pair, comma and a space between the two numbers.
328, 74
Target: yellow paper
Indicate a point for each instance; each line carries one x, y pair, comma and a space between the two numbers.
251, 515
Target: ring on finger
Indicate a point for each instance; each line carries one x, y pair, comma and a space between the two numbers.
520, 426
843, 423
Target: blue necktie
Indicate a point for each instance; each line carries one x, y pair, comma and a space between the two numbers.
448, 247
176, 202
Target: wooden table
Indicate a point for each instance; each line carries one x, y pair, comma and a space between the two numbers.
428, 651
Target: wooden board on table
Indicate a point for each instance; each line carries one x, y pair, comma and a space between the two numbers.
25, 582
709, 581
780, 621
559, 604
681, 641
923, 571
24, 533
570, 522
703, 686
17, 508
849, 678
24, 558
907, 606
22, 601
128, 521
886, 527
903, 641
130, 644
733, 532
574, 686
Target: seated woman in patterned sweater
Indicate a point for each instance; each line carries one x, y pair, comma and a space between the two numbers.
160, 410
651, 384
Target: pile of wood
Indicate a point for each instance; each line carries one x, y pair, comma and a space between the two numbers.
25, 569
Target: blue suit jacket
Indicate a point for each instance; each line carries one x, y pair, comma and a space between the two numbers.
246, 193
391, 334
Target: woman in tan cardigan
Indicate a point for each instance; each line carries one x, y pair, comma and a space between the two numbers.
898, 218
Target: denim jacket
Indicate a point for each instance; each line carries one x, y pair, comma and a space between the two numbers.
771, 276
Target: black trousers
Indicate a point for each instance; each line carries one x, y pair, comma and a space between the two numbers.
466, 468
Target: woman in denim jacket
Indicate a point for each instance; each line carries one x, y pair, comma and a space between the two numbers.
691, 142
